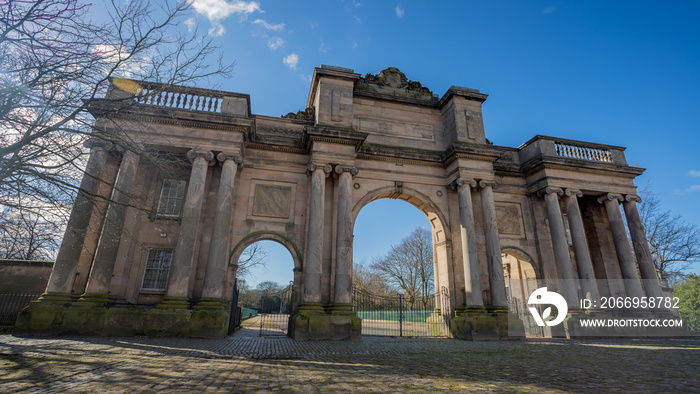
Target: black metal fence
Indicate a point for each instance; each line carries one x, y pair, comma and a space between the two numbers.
399, 316
275, 309
11, 303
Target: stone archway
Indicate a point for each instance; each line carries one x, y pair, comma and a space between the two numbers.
283, 240
522, 274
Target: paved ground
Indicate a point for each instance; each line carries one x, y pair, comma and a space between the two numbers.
246, 362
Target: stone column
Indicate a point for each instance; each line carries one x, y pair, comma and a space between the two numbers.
622, 246
470, 259
493, 248
562, 258
586, 274
641, 247
62, 276
215, 279
314, 239
343, 255
181, 267
96, 291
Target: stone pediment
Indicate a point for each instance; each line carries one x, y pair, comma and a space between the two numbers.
392, 82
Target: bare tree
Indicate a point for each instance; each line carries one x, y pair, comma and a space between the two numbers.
56, 60
409, 265
674, 243
26, 235
370, 281
253, 256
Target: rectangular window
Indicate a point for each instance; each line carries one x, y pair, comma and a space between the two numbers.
155, 276
171, 197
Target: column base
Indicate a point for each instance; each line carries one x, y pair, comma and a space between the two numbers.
92, 300
43, 316
312, 322
479, 323
171, 302
56, 298
210, 304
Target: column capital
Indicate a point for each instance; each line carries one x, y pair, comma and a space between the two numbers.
352, 170
484, 184
610, 197
95, 142
550, 190
222, 157
463, 181
206, 154
573, 192
327, 168
632, 197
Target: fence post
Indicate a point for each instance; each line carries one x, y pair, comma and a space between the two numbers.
400, 315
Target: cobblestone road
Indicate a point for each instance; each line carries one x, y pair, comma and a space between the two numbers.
246, 362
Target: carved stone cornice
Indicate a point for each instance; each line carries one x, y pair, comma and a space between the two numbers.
278, 131
573, 192
550, 190
327, 168
632, 197
205, 154
352, 170
462, 181
610, 196
94, 142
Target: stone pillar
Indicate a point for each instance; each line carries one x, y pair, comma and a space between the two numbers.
62, 276
586, 274
641, 247
622, 246
470, 260
181, 267
96, 291
343, 255
314, 239
562, 258
215, 279
493, 248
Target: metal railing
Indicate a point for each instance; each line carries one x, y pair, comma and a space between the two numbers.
583, 152
399, 316
12, 303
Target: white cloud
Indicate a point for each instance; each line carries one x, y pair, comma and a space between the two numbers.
306, 77
190, 24
275, 42
694, 173
268, 26
693, 188
400, 11
291, 61
323, 48
357, 4
354, 44
548, 10
357, 19
218, 10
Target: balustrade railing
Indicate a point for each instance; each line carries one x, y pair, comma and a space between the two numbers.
180, 97
583, 152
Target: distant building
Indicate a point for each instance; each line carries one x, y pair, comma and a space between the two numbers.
173, 233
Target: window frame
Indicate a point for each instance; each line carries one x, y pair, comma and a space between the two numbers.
158, 269
161, 208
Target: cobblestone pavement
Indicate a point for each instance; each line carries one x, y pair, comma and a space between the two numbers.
246, 362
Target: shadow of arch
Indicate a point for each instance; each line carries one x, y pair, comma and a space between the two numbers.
266, 236
417, 199
523, 255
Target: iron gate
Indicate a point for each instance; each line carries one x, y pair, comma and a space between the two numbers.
275, 309
399, 316
12, 303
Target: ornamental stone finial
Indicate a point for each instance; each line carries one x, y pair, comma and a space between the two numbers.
462, 181
610, 196
633, 197
573, 192
195, 153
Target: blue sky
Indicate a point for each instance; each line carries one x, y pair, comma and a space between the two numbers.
622, 73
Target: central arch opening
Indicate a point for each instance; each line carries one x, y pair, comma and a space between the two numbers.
398, 257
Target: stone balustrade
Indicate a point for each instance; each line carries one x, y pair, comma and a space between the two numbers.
583, 152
